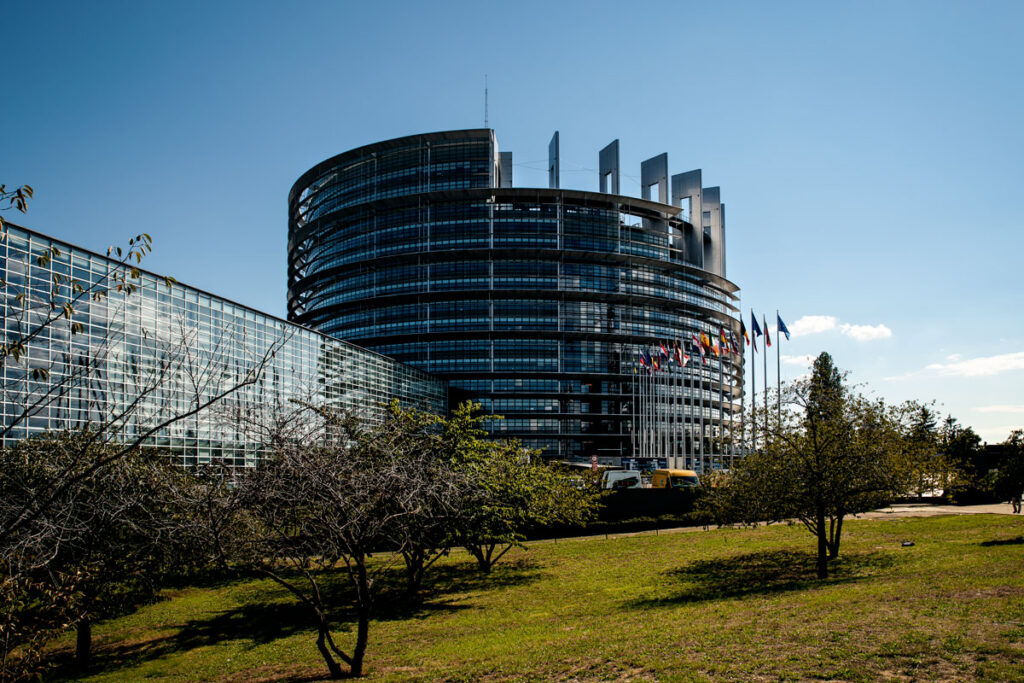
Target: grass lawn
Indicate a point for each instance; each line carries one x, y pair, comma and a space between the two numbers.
728, 605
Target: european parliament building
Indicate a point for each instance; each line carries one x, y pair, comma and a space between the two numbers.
535, 302
417, 272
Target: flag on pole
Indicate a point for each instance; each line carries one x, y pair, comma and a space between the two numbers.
782, 327
664, 353
700, 347
681, 358
755, 331
735, 344
743, 332
767, 337
725, 340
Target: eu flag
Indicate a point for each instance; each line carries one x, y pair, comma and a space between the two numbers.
782, 327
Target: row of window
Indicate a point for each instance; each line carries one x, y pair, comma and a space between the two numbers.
166, 345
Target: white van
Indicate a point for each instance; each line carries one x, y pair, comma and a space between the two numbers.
621, 479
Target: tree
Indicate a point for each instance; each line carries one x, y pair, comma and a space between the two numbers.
95, 552
513, 490
961, 447
329, 490
48, 375
829, 454
1010, 478
503, 490
428, 527
927, 460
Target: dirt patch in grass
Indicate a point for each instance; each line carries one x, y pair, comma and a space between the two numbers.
274, 674
991, 592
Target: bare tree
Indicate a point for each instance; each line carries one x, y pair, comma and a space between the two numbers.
96, 550
182, 377
329, 491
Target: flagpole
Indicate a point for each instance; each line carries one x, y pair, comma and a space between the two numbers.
764, 360
643, 411
721, 408
699, 459
644, 407
633, 411
778, 365
743, 388
753, 383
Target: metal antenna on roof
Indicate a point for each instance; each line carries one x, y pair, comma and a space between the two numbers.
485, 102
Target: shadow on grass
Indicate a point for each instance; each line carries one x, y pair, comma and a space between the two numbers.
761, 573
280, 615
1003, 541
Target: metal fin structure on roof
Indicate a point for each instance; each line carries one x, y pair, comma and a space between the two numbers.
505, 169
654, 171
686, 187
608, 165
553, 171
714, 235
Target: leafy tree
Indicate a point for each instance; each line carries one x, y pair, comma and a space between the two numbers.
830, 453
1009, 479
508, 489
961, 447
513, 490
930, 468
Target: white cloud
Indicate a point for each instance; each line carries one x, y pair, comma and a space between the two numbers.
863, 333
804, 361
1001, 409
980, 367
813, 324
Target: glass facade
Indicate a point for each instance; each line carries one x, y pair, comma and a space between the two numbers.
534, 302
132, 361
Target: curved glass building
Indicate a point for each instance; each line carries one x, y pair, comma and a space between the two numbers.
537, 302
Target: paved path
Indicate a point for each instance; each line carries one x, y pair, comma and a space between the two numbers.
891, 512
928, 510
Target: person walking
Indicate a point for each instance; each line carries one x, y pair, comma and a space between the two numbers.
1015, 502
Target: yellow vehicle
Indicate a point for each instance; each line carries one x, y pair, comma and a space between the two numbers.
674, 479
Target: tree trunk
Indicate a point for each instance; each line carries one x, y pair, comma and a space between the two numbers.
414, 570
321, 644
833, 546
83, 644
365, 604
822, 540
482, 559
362, 636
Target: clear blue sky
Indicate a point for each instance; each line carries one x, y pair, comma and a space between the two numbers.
869, 154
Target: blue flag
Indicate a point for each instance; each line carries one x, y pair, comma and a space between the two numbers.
782, 327
753, 324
